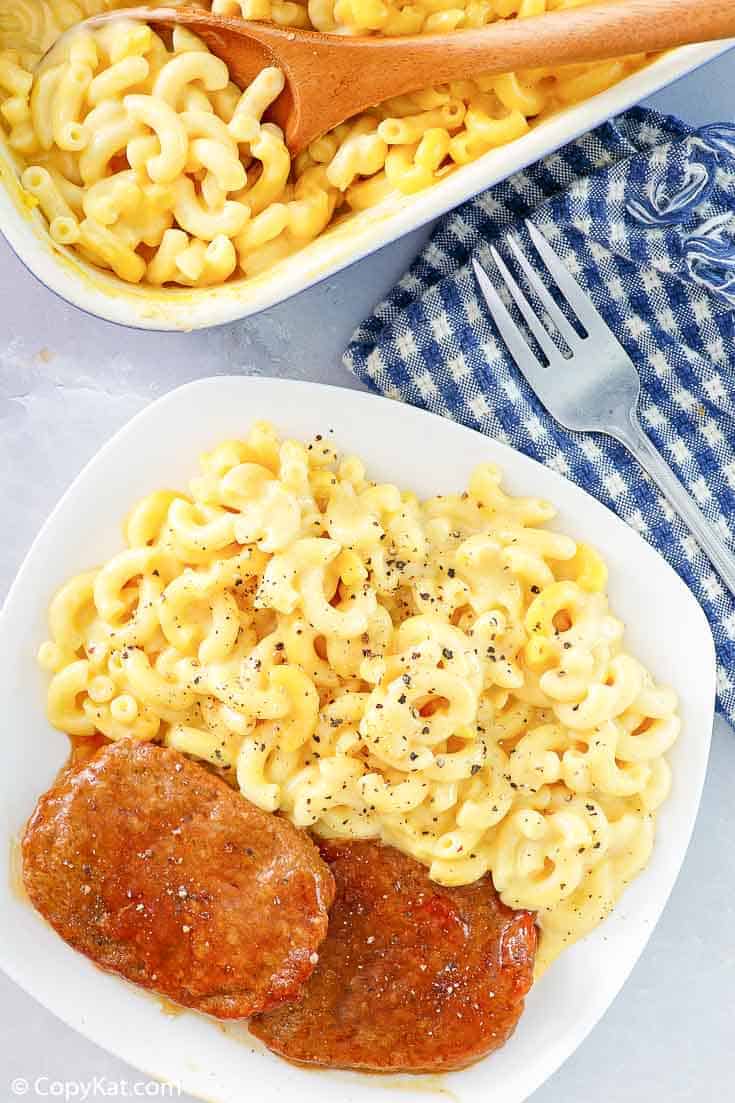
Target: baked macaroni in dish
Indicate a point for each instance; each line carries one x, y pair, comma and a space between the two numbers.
444, 676
144, 157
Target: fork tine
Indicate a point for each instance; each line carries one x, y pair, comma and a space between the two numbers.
562, 323
532, 320
523, 355
583, 306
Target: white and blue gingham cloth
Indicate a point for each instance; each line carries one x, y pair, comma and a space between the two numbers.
642, 211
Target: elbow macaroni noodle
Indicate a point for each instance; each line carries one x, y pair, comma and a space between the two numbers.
443, 675
150, 162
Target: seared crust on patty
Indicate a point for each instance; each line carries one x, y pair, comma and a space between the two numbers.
157, 870
412, 977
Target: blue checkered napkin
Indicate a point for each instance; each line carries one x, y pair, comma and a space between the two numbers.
642, 211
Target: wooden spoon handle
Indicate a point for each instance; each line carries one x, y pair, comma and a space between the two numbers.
594, 33
366, 71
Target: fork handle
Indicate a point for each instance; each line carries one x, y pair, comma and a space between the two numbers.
638, 442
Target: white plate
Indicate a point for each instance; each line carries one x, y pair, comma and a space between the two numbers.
70, 277
159, 447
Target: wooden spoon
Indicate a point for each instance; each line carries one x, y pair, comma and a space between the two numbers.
332, 77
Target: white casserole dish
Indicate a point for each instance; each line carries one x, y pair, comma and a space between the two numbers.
181, 309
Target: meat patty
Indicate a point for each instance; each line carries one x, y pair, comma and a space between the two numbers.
157, 870
412, 977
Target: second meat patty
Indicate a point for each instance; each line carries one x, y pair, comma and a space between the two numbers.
412, 977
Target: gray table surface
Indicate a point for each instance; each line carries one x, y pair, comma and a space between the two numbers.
68, 381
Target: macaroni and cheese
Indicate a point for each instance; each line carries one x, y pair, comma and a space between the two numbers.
443, 675
144, 157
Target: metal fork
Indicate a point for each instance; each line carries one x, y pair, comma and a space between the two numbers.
597, 388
